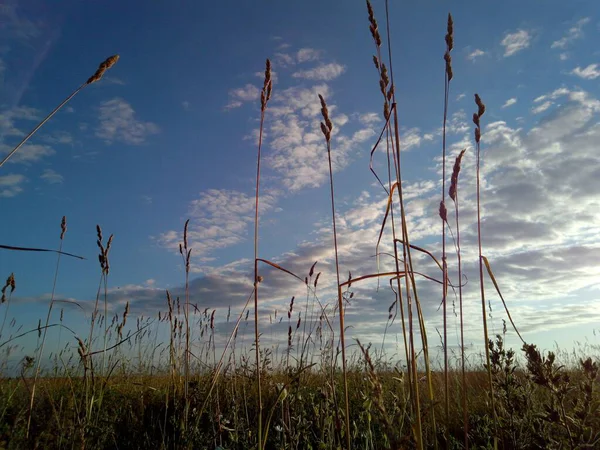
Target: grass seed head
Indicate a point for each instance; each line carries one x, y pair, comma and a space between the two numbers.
454, 178
103, 67
63, 227
443, 211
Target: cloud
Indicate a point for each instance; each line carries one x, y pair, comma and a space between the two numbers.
475, 54
52, 177
590, 72
238, 96
515, 42
307, 54
284, 60
12, 123
118, 123
410, 138
219, 218
28, 153
509, 102
460, 96
10, 185
296, 141
324, 72
541, 107
16, 26
370, 118
574, 33
59, 137
147, 199
185, 105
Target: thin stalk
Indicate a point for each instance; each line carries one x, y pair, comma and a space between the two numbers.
41, 350
476, 119
462, 331
265, 96
327, 128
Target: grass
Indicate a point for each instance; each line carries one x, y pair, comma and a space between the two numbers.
123, 386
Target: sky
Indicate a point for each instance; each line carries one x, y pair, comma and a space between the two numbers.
170, 134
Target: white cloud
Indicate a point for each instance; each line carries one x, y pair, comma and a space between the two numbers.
459, 97
324, 72
11, 126
59, 137
238, 96
307, 54
284, 60
10, 185
541, 107
296, 141
509, 102
563, 56
590, 72
515, 42
574, 33
185, 105
219, 218
52, 177
118, 123
475, 54
28, 153
410, 138
370, 118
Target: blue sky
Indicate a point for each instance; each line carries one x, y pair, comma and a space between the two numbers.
170, 133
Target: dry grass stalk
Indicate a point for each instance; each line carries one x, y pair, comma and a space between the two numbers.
326, 128
63, 230
477, 121
264, 100
443, 213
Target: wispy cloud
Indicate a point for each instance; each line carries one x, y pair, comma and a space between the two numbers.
308, 54
541, 107
590, 72
516, 42
323, 72
185, 105
296, 141
574, 33
219, 218
475, 54
59, 137
284, 60
10, 185
118, 123
369, 118
509, 102
238, 96
52, 177
28, 153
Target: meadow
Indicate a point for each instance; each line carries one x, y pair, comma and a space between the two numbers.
166, 382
